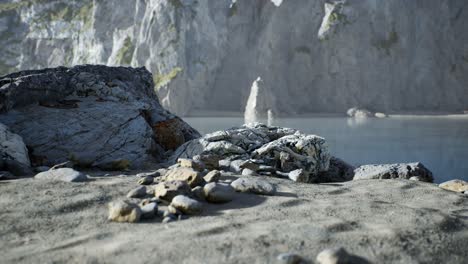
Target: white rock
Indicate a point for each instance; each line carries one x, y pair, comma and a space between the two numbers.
62, 174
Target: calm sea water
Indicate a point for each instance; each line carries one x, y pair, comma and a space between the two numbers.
440, 143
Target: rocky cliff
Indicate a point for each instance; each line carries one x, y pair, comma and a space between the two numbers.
317, 56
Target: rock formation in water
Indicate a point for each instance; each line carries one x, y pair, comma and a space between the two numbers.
260, 102
324, 56
99, 116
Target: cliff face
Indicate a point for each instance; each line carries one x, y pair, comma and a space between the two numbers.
317, 56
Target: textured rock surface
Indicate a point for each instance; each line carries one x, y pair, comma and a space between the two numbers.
124, 211
12, 147
260, 101
393, 171
101, 116
62, 174
324, 55
253, 186
218, 192
455, 185
170, 189
187, 205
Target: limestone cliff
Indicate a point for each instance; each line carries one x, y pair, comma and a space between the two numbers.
317, 56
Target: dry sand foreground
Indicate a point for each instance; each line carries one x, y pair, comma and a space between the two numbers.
385, 221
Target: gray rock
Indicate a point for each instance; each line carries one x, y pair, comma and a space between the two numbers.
253, 186
198, 193
261, 100
189, 163
211, 162
13, 149
455, 186
187, 205
173, 211
107, 117
170, 189
146, 180
248, 172
338, 171
393, 171
5, 175
124, 211
149, 210
250, 164
17, 168
212, 176
224, 164
139, 192
334, 256
63, 174
218, 192
289, 258
152, 174
235, 166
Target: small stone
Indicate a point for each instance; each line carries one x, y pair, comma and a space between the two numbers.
138, 192
187, 205
248, 172
198, 193
333, 256
224, 164
124, 211
218, 192
289, 258
299, 176
170, 189
212, 176
253, 186
149, 210
455, 186
62, 174
188, 163
146, 180
191, 176
41, 169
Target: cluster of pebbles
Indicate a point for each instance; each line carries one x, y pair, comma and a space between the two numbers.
182, 190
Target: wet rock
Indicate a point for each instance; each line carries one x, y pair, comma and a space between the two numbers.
192, 177
393, 171
289, 258
187, 205
149, 210
170, 189
253, 186
218, 192
63, 174
212, 176
146, 180
455, 186
334, 256
124, 211
138, 192
188, 163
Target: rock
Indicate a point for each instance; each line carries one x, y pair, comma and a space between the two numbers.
235, 166
138, 192
218, 192
359, 113
152, 174
146, 180
149, 210
261, 99
253, 186
249, 164
198, 193
187, 205
124, 211
41, 169
93, 115
211, 162
17, 168
12, 147
248, 172
212, 176
168, 219
393, 171
63, 174
380, 115
170, 189
289, 258
455, 186
188, 163
224, 164
415, 178
299, 176
6, 175
173, 211
334, 256
192, 177
338, 171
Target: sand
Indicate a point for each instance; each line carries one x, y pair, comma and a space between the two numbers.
383, 221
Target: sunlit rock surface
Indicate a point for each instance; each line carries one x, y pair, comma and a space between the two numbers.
316, 56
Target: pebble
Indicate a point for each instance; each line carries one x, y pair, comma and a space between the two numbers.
124, 211
138, 192
212, 176
146, 180
187, 205
62, 174
169, 189
334, 256
253, 186
149, 210
289, 258
218, 192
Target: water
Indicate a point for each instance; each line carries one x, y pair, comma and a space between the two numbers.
440, 143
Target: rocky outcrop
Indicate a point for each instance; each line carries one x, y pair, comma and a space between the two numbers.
261, 101
325, 56
91, 115
14, 156
416, 171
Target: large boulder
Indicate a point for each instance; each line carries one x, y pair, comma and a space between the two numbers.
260, 101
13, 152
107, 117
394, 171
